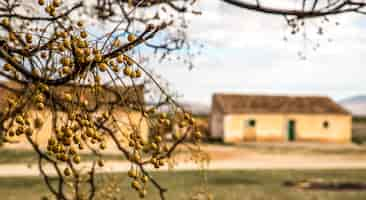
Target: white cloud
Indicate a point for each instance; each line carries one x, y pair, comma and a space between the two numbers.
245, 53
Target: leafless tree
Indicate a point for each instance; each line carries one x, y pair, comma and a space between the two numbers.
303, 8
297, 12
54, 64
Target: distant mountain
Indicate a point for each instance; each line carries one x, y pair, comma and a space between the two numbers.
195, 108
356, 105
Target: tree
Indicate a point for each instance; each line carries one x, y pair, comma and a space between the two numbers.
305, 8
54, 64
298, 11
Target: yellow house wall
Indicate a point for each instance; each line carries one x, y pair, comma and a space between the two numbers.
123, 121
274, 127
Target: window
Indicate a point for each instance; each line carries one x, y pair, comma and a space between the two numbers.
325, 124
251, 123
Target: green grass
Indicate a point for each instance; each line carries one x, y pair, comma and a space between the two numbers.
223, 185
8, 156
358, 119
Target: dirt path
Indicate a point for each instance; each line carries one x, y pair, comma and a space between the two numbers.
248, 157
251, 163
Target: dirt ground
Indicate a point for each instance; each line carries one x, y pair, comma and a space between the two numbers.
250, 156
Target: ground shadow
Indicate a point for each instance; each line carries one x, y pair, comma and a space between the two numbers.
232, 181
330, 186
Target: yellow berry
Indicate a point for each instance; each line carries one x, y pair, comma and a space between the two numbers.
144, 179
52, 141
133, 74
67, 43
136, 185
161, 162
67, 172
120, 59
98, 57
12, 37
142, 193
11, 133
82, 43
191, 121
50, 9
65, 61
103, 67
41, 2
154, 146
44, 198
187, 116
67, 141
87, 52
80, 24
7, 67
103, 146
158, 138
115, 68
19, 119
89, 132
79, 52
197, 135
56, 3
166, 148
39, 98
19, 131
40, 106
38, 122
72, 150
76, 159
6, 22
68, 97
100, 163
132, 173
128, 60
97, 78
176, 135
68, 132
127, 70
28, 37
29, 131
131, 37
138, 73
116, 43
35, 72
66, 70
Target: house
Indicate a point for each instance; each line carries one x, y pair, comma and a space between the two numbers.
124, 98
236, 118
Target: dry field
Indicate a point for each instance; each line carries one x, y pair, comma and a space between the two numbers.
220, 185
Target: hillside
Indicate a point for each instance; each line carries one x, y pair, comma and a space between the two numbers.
356, 105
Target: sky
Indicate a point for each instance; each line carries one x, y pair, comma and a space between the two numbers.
245, 52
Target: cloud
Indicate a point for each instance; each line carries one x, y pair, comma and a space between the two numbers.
245, 53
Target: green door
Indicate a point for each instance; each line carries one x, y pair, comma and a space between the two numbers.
291, 130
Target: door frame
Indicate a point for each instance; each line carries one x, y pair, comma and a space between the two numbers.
249, 129
291, 130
